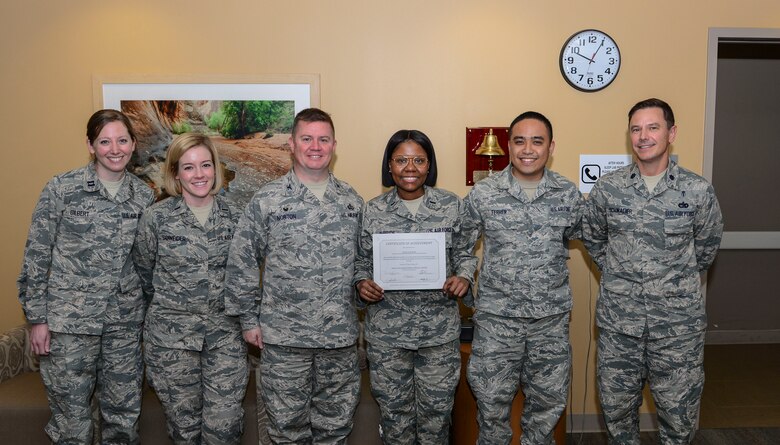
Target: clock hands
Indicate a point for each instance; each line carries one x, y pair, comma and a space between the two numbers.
586, 58
593, 57
603, 57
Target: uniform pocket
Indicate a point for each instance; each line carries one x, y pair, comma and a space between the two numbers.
621, 222
73, 225
129, 283
678, 233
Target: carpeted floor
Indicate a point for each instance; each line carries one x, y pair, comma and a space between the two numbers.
741, 387
719, 436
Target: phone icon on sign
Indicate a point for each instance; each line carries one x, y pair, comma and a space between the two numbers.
590, 173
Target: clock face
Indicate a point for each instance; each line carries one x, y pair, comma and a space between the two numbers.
590, 60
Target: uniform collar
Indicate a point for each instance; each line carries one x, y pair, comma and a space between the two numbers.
294, 187
179, 207
430, 202
634, 176
508, 182
92, 184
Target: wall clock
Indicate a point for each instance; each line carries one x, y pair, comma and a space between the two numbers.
590, 60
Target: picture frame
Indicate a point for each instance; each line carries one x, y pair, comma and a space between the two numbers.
108, 90
249, 119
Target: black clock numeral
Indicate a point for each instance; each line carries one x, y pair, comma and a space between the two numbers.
590, 60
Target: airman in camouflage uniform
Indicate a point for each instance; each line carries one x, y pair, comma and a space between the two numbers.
194, 353
651, 244
301, 230
413, 347
81, 293
523, 302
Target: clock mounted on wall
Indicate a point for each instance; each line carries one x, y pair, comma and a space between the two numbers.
590, 60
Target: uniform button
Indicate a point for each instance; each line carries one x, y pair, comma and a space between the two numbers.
671, 177
633, 175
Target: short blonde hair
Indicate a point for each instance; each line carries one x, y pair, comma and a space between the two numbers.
176, 150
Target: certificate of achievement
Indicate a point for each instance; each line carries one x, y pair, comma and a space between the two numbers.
405, 261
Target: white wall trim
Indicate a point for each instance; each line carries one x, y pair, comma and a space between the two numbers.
741, 337
750, 240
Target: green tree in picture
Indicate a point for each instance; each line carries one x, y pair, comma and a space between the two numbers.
250, 116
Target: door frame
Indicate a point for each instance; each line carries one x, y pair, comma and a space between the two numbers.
731, 240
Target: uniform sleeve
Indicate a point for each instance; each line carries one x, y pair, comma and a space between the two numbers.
578, 211
243, 290
145, 253
33, 279
464, 238
364, 262
594, 226
708, 230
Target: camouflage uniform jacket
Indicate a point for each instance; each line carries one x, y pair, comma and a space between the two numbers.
420, 318
650, 248
306, 249
182, 268
524, 271
77, 273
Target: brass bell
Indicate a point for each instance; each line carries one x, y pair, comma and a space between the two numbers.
489, 146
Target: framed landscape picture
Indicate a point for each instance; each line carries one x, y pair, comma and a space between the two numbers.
248, 118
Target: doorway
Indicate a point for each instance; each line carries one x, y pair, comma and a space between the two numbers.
742, 160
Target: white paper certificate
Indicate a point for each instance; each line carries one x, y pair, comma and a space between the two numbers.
410, 260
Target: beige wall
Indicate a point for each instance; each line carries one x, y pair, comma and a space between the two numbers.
436, 65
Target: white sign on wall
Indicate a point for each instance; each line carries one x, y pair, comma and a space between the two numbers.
592, 167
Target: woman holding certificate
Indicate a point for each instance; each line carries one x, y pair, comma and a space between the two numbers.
412, 333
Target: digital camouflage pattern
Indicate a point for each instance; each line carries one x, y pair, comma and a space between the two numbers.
650, 248
523, 302
77, 273
78, 277
674, 366
523, 272
201, 391
306, 249
415, 390
195, 354
508, 352
413, 352
310, 394
68, 373
182, 268
419, 318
